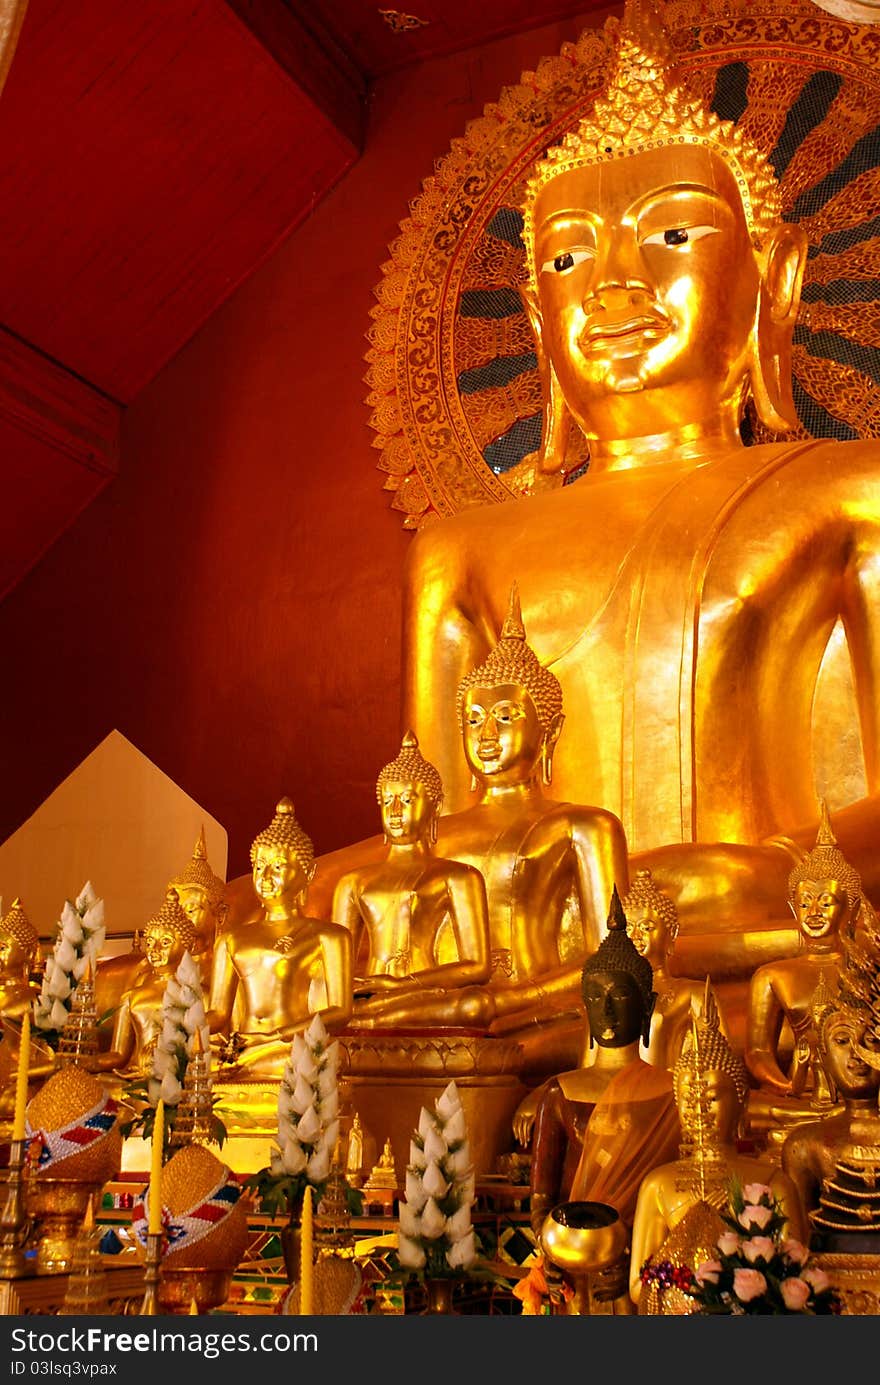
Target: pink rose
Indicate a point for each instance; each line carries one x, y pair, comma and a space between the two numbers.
748, 1284
758, 1248
754, 1215
817, 1280
754, 1192
708, 1272
794, 1250
728, 1243
795, 1293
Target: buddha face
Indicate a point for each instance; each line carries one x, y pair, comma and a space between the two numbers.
647, 286
163, 946
13, 958
615, 1008
648, 932
279, 877
195, 904
820, 907
407, 811
847, 1071
502, 733
719, 1098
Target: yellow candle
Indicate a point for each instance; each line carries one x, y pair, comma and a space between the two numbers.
306, 1284
154, 1225
21, 1086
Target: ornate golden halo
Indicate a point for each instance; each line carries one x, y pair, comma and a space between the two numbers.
454, 388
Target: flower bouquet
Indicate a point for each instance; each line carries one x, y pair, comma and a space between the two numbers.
308, 1127
757, 1269
436, 1236
79, 942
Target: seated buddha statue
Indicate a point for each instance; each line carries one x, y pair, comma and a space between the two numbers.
549, 866
702, 602
811, 1150
166, 937
19, 953
421, 920
201, 895
825, 895
274, 966
677, 1218
600, 1129
652, 924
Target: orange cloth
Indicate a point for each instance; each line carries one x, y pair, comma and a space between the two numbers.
633, 1128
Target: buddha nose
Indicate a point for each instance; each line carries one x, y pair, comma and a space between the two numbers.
490, 728
619, 269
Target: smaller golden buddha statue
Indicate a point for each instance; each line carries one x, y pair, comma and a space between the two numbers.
354, 1153
424, 919
380, 1188
652, 923
677, 1217
202, 896
811, 1150
275, 967
167, 936
19, 952
600, 1129
825, 896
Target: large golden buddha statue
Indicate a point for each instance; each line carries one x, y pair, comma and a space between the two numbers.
696, 598
275, 966
424, 919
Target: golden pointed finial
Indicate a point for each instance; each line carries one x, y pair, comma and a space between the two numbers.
193, 1308
616, 916
513, 628
200, 850
825, 836
198, 1047
88, 1222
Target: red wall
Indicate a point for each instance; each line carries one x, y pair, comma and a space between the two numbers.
231, 602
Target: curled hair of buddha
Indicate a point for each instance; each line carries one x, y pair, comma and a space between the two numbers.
706, 1049
199, 874
642, 108
827, 862
412, 767
285, 831
171, 915
618, 952
644, 894
18, 926
514, 661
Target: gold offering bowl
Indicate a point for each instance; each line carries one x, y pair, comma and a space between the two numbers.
584, 1239
58, 1206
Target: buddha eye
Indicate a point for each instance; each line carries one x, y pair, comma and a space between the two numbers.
679, 235
567, 260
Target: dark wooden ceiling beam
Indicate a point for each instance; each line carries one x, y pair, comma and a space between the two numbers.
313, 59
